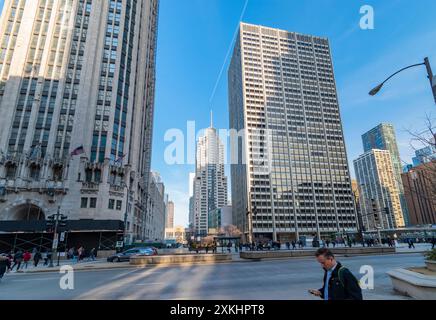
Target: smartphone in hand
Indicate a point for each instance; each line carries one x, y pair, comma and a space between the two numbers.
314, 292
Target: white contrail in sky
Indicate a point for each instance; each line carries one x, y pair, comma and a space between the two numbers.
228, 53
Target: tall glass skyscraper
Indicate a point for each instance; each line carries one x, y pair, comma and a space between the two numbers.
77, 75
383, 137
210, 182
283, 101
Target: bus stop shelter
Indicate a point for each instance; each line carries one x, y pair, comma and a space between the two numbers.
223, 241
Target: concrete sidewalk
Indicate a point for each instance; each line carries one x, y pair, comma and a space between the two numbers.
419, 247
84, 265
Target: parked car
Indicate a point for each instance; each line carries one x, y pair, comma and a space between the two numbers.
125, 256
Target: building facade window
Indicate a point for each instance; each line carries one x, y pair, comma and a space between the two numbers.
84, 203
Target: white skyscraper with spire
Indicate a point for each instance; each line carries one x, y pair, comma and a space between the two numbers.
210, 182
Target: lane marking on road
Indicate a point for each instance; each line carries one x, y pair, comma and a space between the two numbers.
150, 283
37, 279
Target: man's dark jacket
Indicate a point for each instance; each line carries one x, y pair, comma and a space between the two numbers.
4, 264
348, 289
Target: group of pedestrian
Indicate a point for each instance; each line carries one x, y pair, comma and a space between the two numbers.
294, 244
18, 260
260, 246
79, 254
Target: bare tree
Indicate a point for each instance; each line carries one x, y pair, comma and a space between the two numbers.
425, 137
230, 231
209, 240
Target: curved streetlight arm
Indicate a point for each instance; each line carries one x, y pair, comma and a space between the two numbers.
374, 91
412, 66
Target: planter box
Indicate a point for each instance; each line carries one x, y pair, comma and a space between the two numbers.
413, 284
431, 265
179, 259
256, 255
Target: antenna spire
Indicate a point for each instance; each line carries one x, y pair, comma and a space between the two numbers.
211, 118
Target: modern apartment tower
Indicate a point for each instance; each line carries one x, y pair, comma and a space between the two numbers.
379, 196
210, 182
383, 137
76, 111
284, 105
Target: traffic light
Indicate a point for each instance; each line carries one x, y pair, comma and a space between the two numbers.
375, 210
50, 223
62, 221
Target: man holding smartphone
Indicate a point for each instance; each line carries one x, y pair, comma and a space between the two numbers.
339, 282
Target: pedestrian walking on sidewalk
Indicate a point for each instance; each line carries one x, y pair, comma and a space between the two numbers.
18, 258
44, 257
81, 253
49, 257
92, 254
26, 258
339, 282
36, 257
70, 254
5, 264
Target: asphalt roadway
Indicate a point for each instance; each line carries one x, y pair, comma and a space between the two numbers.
284, 279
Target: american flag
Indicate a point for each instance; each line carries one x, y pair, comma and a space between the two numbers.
78, 151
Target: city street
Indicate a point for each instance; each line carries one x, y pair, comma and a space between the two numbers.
270, 280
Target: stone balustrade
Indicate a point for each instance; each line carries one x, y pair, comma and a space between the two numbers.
256, 255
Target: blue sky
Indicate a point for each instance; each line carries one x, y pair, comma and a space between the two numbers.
195, 35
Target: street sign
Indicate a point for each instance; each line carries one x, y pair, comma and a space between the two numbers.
55, 244
62, 239
119, 244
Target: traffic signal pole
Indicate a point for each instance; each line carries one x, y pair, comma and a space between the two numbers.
56, 220
55, 238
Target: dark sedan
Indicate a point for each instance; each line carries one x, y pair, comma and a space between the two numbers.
125, 256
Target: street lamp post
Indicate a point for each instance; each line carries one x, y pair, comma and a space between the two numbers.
431, 77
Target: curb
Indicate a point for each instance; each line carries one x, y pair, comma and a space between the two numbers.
56, 269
